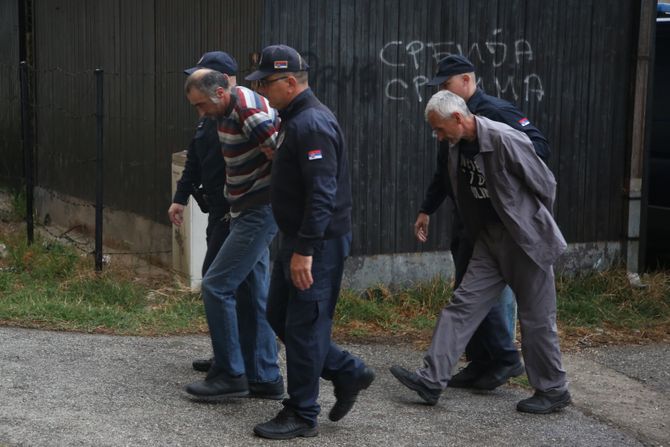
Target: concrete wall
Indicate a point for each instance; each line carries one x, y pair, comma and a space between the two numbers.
123, 231
402, 269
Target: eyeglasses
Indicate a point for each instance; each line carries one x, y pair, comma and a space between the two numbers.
266, 82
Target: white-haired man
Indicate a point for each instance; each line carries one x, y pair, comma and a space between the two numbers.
505, 196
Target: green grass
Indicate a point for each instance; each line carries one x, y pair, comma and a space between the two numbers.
595, 303
407, 310
50, 285
594, 299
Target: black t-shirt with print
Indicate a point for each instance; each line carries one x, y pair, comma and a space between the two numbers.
472, 186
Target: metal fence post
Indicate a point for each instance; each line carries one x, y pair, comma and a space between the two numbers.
98, 169
28, 159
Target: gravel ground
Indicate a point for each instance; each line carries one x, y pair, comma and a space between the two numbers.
68, 389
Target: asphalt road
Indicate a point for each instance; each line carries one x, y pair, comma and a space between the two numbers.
68, 389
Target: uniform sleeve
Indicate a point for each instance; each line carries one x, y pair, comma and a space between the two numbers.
439, 187
259, 127
318, 160
514, 118
190, 176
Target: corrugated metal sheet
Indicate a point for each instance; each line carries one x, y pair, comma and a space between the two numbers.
10, 106
567, 63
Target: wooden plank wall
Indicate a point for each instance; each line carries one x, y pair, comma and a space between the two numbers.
567, 63
11, 161
143, 46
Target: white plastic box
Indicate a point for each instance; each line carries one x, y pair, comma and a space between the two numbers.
189, 243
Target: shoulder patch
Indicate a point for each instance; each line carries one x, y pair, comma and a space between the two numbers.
524, 122
314, 154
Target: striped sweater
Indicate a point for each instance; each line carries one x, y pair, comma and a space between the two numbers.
248, 124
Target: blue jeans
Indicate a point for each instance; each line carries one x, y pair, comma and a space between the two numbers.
508, 303
246, 346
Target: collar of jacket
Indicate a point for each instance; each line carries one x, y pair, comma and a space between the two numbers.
475, 99
303, 101
483, 138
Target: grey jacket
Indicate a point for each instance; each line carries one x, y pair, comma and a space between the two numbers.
521, 188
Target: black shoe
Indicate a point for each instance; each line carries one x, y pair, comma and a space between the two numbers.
286, 425
414, 383
495, 377
346, 394
267, 390
544, 402
467, 376
202, 365
219, 384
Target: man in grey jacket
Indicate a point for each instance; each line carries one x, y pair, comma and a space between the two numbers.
505, 195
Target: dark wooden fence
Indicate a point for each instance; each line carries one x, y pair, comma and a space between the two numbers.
567, 63
142, 46
10, 112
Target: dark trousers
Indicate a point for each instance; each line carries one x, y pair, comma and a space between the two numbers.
492, 344
303, 321
217, 231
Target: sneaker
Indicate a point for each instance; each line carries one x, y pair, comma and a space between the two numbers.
545, 402
202, 365
218, 384
267, 390
415, 383
495, 377
346, 394
286, 425
466, 376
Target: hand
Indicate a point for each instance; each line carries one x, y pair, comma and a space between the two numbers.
421, 227
268, 151
176, 213
301, 271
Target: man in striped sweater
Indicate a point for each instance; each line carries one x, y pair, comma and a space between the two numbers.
245, 351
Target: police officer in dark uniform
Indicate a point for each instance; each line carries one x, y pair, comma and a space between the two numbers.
311, 202
491, 351
204, 166
204, 176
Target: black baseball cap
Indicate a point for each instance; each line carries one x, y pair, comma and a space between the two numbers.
216, 60
450, 66
278, 59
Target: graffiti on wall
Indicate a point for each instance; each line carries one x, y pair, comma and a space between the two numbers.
410, 56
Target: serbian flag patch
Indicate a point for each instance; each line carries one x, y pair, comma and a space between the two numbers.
314, 155
281, 65
524, 122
